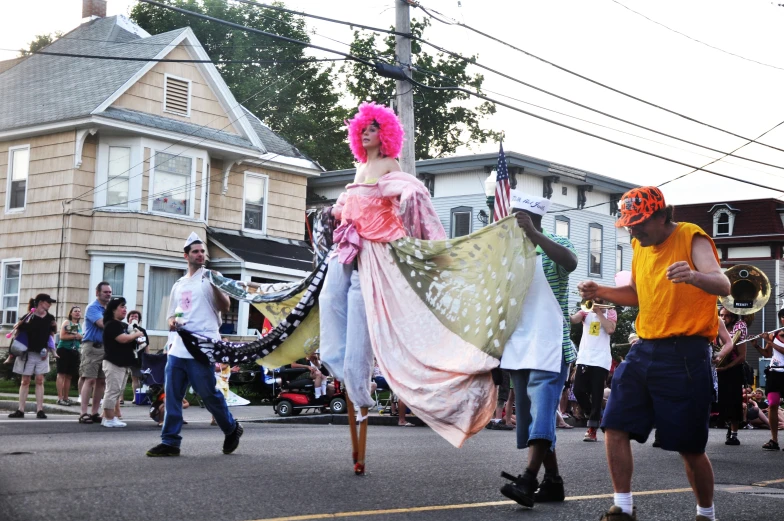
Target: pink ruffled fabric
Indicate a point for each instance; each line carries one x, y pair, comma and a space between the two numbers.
348, 241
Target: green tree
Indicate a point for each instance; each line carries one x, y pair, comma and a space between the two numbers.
39, 42
443, 121
300, 101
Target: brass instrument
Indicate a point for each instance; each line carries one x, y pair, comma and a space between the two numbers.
588, 305
717, 349
749, 290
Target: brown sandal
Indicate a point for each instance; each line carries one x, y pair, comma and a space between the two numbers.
85, 418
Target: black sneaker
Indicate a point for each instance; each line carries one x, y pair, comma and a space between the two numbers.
732, 440
521, 489
163, 450
40, 415
233, 440
551, 490
16, 414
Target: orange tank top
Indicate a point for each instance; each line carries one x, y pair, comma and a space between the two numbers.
667, 309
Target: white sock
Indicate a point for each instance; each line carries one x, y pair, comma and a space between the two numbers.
317, 390
624, 500
707, 512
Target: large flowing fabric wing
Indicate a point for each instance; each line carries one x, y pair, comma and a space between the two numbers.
474, 284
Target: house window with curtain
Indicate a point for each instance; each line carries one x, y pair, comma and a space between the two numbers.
114, 274
255, 202
461, 221
10, 277
118, 180
18, 169
595, 250
158, 289
172, 184
562, 226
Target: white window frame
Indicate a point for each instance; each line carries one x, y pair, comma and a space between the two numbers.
601, 250
563, 219
452, 221
11, 151
154, 153
166, 76
130, 276
135, 174
146, 309
265, 210
618, 255
730, 222
3, 264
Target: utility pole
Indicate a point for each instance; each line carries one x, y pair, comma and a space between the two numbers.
403, 89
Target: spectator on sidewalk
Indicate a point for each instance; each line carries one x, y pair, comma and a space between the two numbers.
93, 379
40, 329
68, 354
119, 349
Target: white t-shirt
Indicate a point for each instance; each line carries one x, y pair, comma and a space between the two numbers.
777, 360
595, 343
194, 295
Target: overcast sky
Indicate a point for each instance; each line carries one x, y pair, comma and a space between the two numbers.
603, 41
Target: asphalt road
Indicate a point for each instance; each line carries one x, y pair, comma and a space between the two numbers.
59, 470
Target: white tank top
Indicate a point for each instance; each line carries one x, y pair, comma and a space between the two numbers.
777, 360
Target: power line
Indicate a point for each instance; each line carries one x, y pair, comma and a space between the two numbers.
595, 82
481, 96
696, 40
178, 60
256, 31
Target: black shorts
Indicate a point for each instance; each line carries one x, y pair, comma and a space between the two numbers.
774, 382
68, 363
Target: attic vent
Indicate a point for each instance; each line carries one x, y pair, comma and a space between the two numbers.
177, 96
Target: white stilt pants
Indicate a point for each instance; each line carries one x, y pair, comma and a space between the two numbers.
344, 339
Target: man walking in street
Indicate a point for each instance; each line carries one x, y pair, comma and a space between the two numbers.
593, 362
40, 328
666, 378
93, 379
196, 305
538, 355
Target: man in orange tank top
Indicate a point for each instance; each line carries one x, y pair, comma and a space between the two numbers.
666, 378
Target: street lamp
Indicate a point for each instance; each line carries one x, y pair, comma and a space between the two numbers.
490, 192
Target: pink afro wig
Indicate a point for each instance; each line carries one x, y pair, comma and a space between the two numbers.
390, 130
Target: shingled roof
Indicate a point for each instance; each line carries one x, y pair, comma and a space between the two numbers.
43, 89
752, 217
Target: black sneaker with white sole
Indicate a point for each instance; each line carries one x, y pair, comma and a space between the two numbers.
233, 440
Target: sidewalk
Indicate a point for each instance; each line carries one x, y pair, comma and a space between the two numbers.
246, 413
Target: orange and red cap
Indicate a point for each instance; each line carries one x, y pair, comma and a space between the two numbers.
638, 204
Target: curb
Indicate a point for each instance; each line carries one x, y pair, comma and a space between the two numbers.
31, 407
335, 419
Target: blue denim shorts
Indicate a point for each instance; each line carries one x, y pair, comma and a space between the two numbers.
537, 394
667, 383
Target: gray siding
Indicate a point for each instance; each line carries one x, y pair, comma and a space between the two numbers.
444, 205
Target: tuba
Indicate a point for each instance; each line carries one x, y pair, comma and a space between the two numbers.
749, 290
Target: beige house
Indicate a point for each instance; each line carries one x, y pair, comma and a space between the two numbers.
107, 165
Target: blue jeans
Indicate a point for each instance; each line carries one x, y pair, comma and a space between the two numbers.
537, 394
179, 372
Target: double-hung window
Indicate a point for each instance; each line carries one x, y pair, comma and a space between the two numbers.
172, 184
595, 250
18, 170
158, 290
461, 218
562, 226
10, 275
118, 181
255, 202
114, 274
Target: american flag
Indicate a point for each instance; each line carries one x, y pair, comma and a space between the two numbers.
501, 207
